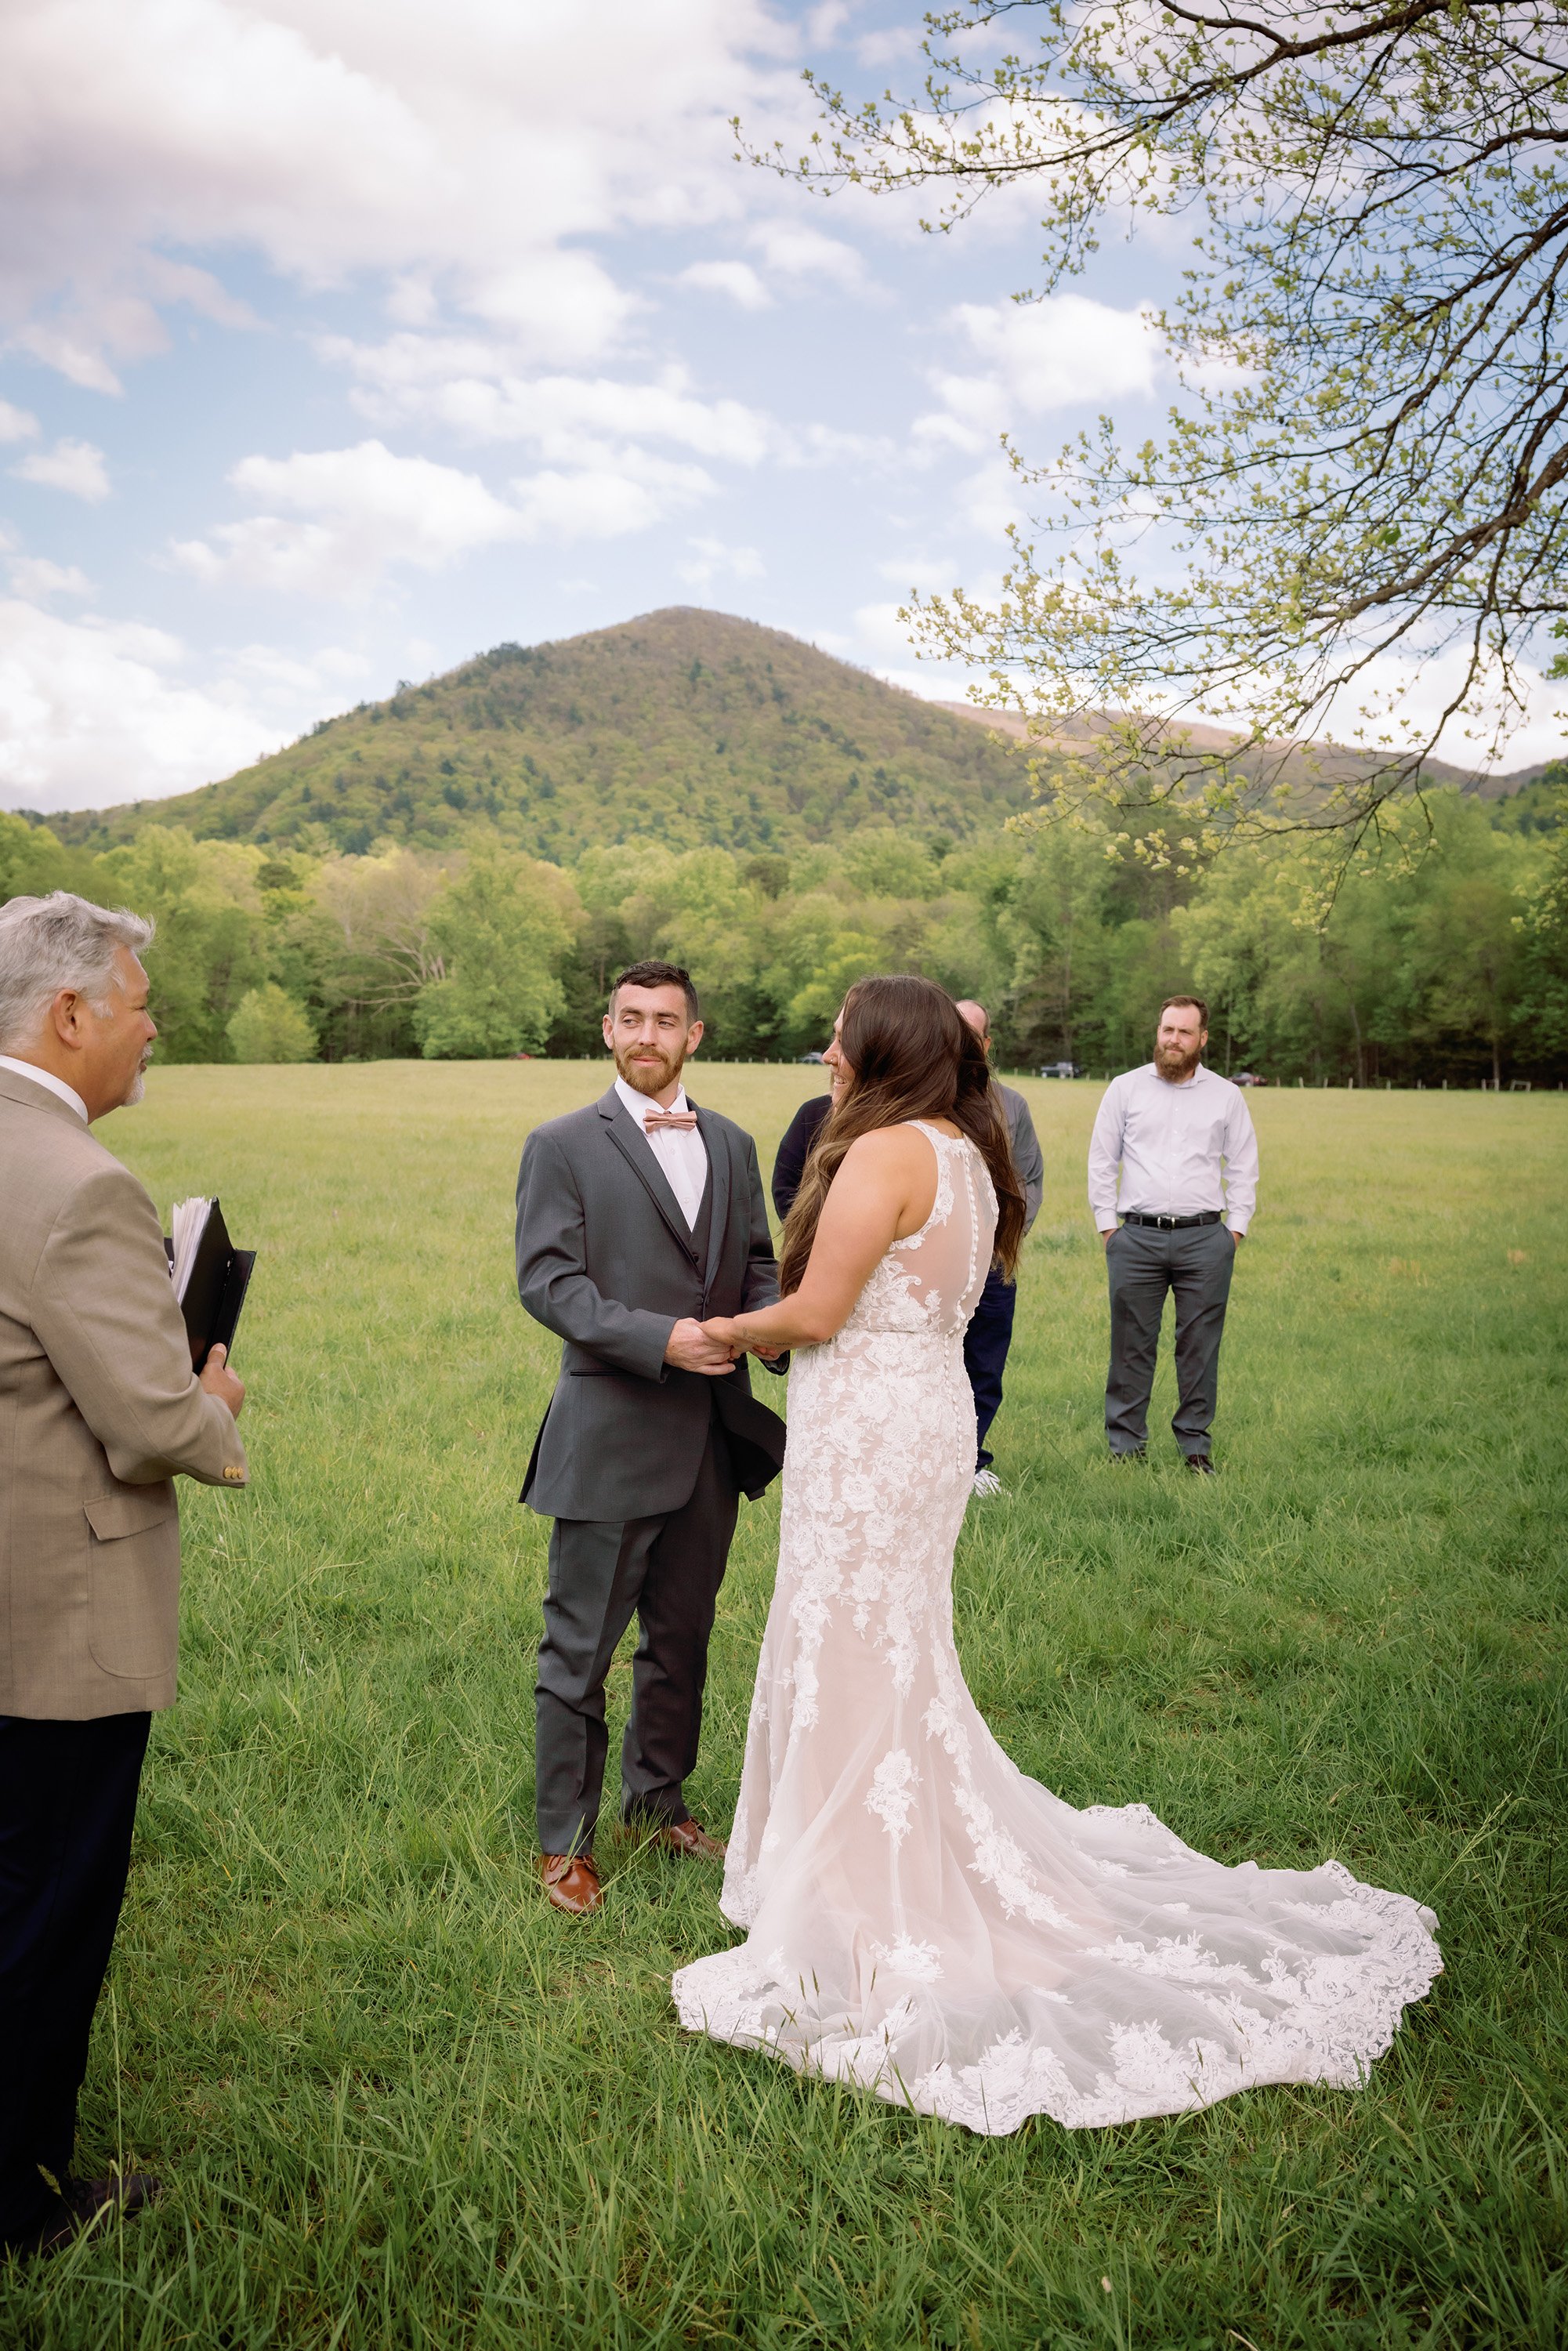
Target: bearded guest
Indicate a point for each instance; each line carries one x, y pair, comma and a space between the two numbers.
637, 1218
100, 1412
1172, 1181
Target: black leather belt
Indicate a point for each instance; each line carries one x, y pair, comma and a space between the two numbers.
1171, 1224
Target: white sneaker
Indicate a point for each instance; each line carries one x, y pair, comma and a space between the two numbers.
986, 1483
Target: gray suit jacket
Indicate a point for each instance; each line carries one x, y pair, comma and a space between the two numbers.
99, 1411
605, 1260
1028, 1157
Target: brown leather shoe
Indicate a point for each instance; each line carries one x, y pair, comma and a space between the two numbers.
690, 1839
571, 1882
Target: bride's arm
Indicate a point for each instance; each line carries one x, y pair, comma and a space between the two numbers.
883, 1190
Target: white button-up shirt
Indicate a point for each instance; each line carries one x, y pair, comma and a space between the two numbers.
47, 1078
1180, 1149
680, 1151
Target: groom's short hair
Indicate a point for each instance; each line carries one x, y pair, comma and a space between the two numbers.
659, 975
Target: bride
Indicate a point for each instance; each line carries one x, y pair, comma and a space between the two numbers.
921, 1918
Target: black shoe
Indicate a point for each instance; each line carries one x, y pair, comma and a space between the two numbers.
82, 2203
1134, 1453
1202, 1465
129, 2191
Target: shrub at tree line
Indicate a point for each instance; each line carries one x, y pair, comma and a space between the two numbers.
1445, 954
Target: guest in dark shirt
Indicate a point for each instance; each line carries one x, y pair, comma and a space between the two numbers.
793, 1152
990, 1331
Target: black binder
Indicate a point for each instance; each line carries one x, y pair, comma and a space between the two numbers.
214, 1291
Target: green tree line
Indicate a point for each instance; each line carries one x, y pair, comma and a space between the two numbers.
1445, 954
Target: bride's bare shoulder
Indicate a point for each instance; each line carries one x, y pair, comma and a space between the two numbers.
888, 1146
890, 1157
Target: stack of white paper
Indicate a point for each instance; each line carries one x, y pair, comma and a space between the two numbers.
187, 1225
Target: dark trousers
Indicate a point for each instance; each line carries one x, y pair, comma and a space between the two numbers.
667, 1570
68, 1799
1196, 1265
986, 1344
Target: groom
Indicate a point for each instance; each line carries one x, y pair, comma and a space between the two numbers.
637, 1218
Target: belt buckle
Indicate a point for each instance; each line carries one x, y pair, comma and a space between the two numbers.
1167, 1224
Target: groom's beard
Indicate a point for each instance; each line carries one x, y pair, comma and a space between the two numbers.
652, 1075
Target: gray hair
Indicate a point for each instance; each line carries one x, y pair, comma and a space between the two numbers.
60, 941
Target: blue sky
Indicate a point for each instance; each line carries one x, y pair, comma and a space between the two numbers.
347, 337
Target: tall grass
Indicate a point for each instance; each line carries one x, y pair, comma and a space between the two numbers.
399, 2101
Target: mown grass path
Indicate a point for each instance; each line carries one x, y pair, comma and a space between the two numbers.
401, 2102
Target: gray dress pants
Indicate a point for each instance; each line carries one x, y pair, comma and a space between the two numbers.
1143, 1263
666, 1569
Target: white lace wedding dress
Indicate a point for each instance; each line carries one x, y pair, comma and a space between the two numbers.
923, 1919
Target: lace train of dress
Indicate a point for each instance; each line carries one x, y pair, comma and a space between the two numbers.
926, 1922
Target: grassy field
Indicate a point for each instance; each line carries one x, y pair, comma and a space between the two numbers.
399, 2101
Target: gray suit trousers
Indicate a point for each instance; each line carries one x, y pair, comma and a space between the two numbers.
667, 1571
1195, 1267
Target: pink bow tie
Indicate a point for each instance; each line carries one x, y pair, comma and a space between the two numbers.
653, 1120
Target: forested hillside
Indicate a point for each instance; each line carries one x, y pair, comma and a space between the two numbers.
686, 728
461, 871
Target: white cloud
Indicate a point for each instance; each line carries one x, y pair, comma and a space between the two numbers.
1038, 357
348, 512
347, 515
920, 573
72, 466
1399, 700
626, 491
297, 685
15, 424
469, 389
90, 715
738, 279
990, 499
36, 578
469, 150
791, 249
81, 362
797, 250
711, 560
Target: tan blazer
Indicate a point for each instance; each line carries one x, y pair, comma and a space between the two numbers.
99, 1411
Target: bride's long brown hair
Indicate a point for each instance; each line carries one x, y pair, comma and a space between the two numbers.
910, 1055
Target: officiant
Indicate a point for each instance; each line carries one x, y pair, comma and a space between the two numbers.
100, 1412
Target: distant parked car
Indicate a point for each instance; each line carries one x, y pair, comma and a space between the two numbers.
813, 1057
1063, 1070
1248, 1078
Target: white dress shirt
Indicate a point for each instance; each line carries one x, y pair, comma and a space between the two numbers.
1180, 1149
47, 1078
680, 1151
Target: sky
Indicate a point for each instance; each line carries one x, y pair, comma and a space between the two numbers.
341, 340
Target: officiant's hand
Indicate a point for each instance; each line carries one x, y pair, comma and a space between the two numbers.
218, 1380
690, 1348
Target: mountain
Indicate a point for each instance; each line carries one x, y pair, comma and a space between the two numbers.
684, 726
1307, 768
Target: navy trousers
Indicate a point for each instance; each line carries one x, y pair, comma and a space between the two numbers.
986, 1344
67, 1800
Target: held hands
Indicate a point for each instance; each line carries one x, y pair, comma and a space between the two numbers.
218, 1380
726, 1331
694, 1347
